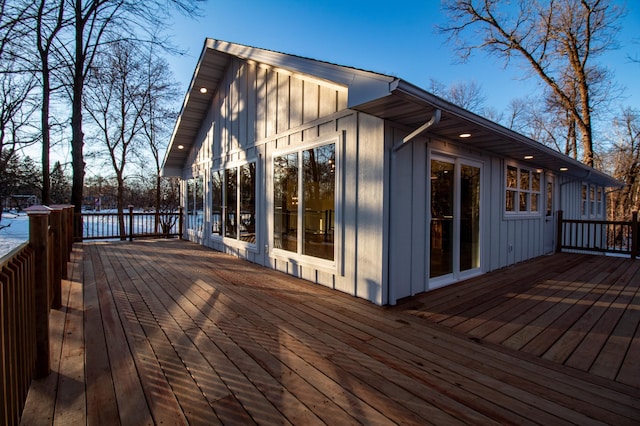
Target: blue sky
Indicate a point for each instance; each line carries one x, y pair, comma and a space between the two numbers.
392, 37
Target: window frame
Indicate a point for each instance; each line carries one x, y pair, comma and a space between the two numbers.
195, 223
592, 201
278, 253
529, 193
222, 236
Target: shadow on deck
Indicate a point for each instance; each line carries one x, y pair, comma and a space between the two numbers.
169, 332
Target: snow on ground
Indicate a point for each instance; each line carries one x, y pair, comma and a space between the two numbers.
15, 234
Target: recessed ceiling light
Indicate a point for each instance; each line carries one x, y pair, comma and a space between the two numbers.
180, 146
564, 169
203, 90
528, 157
465, 135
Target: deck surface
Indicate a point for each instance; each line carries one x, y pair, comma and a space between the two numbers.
581, 311
168, 332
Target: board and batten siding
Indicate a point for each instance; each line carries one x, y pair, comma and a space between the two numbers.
259, 111
504, 240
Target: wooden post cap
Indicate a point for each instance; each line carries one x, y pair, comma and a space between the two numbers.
37, 209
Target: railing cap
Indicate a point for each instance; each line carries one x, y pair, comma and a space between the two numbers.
62, 206
56, 207
38, 209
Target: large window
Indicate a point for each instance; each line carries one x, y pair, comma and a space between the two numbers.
522, 195
195, 203
233, 208
304, 201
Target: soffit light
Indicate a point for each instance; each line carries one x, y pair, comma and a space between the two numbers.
465, 135
203, 90
528, 157
564, 169
180, 146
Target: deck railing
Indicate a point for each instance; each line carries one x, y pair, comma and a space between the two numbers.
30, 285
603, 236
99, 225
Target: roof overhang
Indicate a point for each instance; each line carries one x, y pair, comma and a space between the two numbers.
216, 56
411, 107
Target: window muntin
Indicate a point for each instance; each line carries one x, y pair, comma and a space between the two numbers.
522, 193
592, 201
315, 206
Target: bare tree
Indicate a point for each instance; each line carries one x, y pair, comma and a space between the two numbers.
95, 24
625, 163
115, 100
160, 91
49, 21
465, 94
557, 40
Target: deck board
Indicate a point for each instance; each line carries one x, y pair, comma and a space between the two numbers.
178, 334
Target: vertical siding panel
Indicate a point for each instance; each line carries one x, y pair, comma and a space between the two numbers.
400, 231
419, 237
272, 102
233, 107
241, 105
342, 100
310, 93
283, 99
251, 97
370, 219
261, 103
295, 97
328, 101
349, 202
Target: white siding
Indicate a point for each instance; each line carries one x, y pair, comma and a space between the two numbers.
258, 110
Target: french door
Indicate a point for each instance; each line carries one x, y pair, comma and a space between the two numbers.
455, 229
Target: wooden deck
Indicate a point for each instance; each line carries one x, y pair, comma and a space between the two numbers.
167, 332
581, 311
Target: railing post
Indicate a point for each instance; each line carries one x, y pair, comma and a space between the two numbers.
59, 260
180, 221
559, 232
634, 235
38, 240
130, 222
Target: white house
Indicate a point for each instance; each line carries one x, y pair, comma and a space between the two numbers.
361, 181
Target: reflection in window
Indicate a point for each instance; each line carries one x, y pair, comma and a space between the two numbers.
247, 218
319, 201
217, 179
522, 194
442, 200
285, 202
195, 204
317, 206
230, 225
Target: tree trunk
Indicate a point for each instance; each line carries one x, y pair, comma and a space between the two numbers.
121, 222
46, 137
77, 138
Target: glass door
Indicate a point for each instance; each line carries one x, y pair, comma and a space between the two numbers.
455, 220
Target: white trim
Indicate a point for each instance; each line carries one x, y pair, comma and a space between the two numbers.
456, 274
222, 238
332, 266
529, 214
